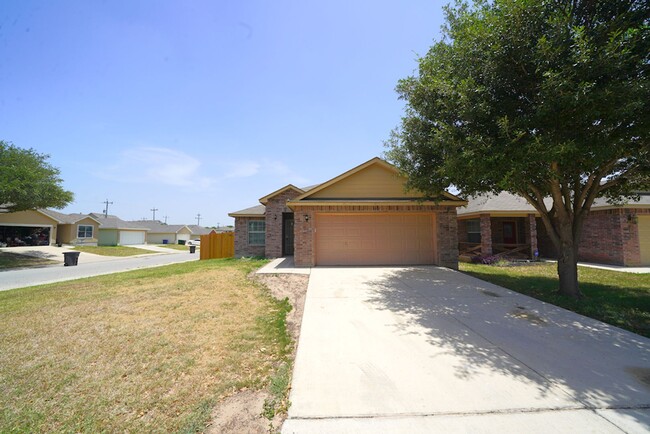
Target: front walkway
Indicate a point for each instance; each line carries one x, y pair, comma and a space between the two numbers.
427, 349
283, 266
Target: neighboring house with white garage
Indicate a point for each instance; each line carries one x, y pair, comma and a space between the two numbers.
114, 231
162, 233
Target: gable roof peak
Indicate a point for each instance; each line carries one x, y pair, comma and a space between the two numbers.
264, 200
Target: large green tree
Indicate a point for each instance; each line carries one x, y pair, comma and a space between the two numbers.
28, 181
541, 98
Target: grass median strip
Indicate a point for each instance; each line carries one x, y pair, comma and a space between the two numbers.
617, 298
113, 250
148, 350
175, 247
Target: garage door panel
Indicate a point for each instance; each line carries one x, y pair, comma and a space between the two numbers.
375, 239
131, 238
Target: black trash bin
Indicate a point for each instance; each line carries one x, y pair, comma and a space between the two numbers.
192, 249
70, 258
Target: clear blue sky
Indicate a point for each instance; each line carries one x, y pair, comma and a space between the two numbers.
204, 106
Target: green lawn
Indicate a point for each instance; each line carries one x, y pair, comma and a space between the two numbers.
12, 260
144, 351
617, 298
112, 250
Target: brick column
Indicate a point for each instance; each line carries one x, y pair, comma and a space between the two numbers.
532, 228
486, 235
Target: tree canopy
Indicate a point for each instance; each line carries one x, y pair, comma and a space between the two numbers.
542, 99
28, 181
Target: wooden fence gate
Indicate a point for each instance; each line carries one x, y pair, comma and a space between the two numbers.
216, 245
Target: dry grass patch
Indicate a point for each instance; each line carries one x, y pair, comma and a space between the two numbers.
150, 350
10, 260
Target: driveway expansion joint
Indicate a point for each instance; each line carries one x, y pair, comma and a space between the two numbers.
479, 412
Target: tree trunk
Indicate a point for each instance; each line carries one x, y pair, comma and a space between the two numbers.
567, 262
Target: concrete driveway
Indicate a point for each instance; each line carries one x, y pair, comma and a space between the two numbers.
426, 349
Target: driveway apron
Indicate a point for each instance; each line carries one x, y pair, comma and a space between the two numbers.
426, 349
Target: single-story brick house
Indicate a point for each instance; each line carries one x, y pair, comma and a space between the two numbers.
361, 217
46, 227
508, 224
162, 233
113, 231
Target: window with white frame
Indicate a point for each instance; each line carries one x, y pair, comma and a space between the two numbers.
85, 231
256, 232
474, 231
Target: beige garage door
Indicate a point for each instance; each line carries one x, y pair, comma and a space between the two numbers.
375, 239
644, 239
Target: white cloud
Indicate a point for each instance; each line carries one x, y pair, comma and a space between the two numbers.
241, 169
171, 167
160, 166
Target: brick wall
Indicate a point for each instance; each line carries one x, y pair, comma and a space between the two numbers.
241, 238
275, 207
447, 231
608, 237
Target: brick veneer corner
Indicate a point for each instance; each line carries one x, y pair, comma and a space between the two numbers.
275, 207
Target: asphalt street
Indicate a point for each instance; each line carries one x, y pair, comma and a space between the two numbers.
59, 273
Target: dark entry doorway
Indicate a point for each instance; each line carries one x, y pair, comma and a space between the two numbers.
509, 233
287, 234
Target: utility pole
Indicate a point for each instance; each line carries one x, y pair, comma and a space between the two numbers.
107, 203
198, 219
154, 209
165, 219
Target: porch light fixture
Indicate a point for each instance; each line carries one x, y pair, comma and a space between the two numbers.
306, 217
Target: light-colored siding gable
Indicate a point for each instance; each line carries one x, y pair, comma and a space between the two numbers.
373, 182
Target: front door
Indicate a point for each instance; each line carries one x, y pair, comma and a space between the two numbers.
287, 234
509, 233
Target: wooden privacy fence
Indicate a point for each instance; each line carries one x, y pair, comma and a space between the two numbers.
216, 245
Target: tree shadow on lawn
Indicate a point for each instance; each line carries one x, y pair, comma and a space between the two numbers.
623, 305
489, 327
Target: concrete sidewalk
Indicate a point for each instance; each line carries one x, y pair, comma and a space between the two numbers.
426, 349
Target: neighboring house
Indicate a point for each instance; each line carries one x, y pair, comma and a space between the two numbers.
361, 217
46, 227
197, 231
114, 231
76, 229
507, 224
161, 233
32, 227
